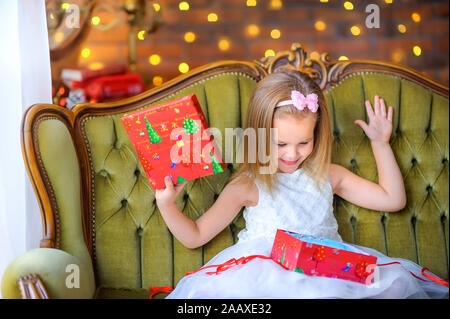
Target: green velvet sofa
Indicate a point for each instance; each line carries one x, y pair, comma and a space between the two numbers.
99, 212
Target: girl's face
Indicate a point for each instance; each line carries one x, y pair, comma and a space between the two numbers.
295, 141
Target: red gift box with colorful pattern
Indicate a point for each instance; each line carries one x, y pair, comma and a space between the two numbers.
319, 256
172, 139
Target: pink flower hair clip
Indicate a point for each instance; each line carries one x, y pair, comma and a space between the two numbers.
300, 101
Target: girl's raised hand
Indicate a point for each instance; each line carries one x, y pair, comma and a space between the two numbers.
166, 196
380, 125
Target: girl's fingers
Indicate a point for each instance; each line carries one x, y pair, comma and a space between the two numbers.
369, 109
382, 108
376, 105
363, 125
168, 182
180, 186
390, 112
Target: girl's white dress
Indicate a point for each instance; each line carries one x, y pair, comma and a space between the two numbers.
297, 206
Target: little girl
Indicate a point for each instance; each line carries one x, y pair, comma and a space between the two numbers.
298, 197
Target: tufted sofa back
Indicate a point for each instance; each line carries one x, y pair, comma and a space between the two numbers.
86, 154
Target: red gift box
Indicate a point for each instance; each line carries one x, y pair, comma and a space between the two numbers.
319, 256
112, 86
171, 139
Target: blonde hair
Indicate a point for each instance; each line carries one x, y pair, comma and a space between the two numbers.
271, 90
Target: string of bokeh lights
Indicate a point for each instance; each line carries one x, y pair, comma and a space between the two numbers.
253, 31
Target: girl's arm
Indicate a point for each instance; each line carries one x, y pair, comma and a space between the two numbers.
389, 194
193, 234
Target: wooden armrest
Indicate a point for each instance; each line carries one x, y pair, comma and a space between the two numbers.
31, 287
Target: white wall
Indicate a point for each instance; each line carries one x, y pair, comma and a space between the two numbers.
25, 79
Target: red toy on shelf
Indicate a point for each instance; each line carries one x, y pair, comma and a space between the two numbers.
81, 74
170, 139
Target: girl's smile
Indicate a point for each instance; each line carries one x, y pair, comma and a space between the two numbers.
289, 163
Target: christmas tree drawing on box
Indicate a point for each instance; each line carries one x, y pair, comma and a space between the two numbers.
175, 127
217, 168
190, 126
153, 136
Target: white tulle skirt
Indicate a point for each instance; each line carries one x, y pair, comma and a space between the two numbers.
261, 278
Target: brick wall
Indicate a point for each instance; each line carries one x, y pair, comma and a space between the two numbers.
296, 22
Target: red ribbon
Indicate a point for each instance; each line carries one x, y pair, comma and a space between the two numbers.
243, 260
231, 263
157, 290
440, 281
